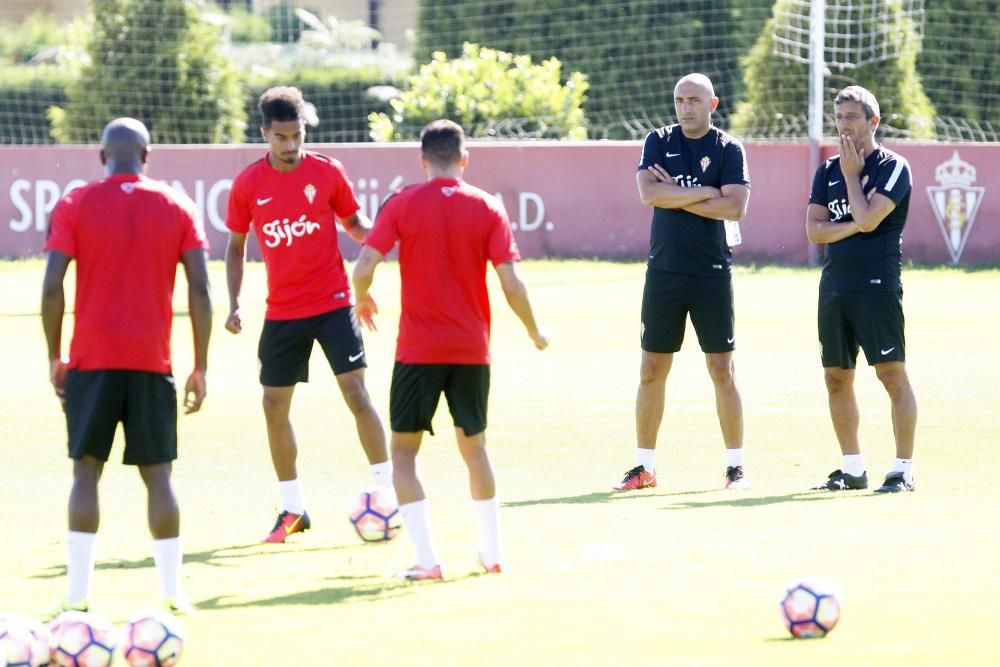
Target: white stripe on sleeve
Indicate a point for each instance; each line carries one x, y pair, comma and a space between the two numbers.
891, 183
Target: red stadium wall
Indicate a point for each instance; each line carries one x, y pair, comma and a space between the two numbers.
564, 199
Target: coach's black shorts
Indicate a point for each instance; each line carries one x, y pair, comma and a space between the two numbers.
145, 404
870, 320
668, 298
286, 345
416, 389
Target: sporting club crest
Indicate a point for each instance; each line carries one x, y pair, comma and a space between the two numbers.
310, 192
955, 202
705, 161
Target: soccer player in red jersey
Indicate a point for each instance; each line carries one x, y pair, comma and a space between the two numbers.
293, 198
447, 231
127, 234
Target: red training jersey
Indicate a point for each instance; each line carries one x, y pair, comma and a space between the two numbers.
127, 233
447, 231
294, 215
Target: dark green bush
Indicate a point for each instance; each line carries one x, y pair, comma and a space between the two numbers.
158, 61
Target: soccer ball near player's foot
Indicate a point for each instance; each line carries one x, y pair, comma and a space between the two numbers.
375, 515
83, 639
153, 639
810, 608
24, 642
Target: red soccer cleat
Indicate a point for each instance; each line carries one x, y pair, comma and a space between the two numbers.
287, 524
417, 573
636, 478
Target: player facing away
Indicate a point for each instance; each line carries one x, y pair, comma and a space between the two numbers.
127, 234
294, 198
447, 231
695, 176
858, 208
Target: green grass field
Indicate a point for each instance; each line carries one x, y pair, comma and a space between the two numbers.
686, 574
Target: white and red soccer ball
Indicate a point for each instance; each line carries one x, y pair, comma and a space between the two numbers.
82, 639
375, 515
810, 608
153, 638
24, 642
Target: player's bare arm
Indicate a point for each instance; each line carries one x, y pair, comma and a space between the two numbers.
53, 309
868, 212
236, 251
516, 293
819, 228
731, 205
364, 273
658, 188
357, 226
195, 263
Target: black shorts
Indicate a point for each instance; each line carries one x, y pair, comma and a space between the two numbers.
416, 389
872, 321
145, 404
286, 345
668, 298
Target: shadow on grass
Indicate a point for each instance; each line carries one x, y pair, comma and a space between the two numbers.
756, 501
354, 589
218, 557
601, 497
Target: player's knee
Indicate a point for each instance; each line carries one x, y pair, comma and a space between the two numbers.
836, 382
892, 376
357, 398
653, 370
275, 407
721, 371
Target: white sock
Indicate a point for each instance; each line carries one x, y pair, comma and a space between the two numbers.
291, 496
646, 458
418, 525
904, 466
382, 475
80, 566
853, 464
167, 555
734, 457
488, 512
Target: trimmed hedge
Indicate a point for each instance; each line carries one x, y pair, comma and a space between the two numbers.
340, 98
26, 93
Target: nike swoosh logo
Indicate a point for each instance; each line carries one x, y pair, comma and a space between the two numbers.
730, 340
673, 154
291, 527
261, 202
885, 352
355, 357
831, 183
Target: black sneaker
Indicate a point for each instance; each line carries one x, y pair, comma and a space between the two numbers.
894, 483
735, 479
839, 480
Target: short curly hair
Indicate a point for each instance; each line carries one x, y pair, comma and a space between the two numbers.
283, 104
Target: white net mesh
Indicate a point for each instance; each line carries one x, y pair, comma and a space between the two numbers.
857, 32
352, 56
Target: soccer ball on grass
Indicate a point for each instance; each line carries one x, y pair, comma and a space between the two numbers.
83, 639
810, 608
153, 638
375, 515
24, 642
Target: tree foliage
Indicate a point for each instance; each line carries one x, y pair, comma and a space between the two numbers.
631, 52
960, 59
489, 93
157, 61
777, 90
